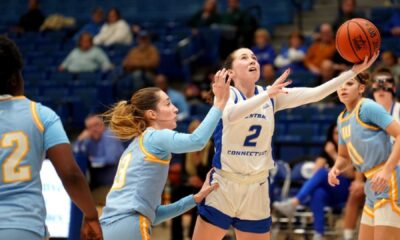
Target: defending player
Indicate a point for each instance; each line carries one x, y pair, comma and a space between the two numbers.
365, 129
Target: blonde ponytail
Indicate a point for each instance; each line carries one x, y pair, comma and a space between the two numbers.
127, 119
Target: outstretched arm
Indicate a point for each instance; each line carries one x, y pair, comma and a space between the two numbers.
300, 96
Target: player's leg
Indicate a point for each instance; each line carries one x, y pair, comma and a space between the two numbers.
240, 235
386, 233
17, 234
131, 227
366, 231
205, 230
352, 212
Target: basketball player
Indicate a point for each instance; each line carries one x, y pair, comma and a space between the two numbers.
243, 149
383, 89
365, 129
28, 132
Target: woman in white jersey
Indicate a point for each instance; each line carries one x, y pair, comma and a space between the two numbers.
243, 149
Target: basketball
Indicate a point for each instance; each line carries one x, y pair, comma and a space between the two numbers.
357, 38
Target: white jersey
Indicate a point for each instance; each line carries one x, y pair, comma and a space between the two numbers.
249, 148
243, 136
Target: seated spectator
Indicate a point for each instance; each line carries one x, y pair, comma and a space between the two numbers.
176, 97
393, 26
268, 75
320, 50
103, 150
263, 50
31, 20
142, 61
318, 189
114, 31
346, 12
390, 61
293, 55
206, 16
86, 57
92, 27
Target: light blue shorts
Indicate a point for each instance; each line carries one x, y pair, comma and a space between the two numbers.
131, 227
18, 234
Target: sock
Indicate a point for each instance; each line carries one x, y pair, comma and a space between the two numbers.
348, 234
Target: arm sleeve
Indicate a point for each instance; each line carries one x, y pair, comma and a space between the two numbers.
121, 32
235, 112
101, 36
166, 212
54, 132
103, 60
302, 95
159, 142
373, 113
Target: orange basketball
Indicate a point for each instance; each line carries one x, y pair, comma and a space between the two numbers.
357, 38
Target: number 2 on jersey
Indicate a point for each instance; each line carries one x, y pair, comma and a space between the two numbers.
12, 171
120, 177
250, 140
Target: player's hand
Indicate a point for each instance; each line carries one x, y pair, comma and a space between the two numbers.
206, 189
332, 177
221, 88
380, 181
279, 85
361, 67
91, 230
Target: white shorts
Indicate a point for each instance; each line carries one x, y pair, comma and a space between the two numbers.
243, 203
388, 214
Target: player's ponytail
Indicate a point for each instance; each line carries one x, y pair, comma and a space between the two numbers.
127, 118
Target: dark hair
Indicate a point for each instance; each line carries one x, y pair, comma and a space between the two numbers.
116, 11
363, 78
82, 35
127, 118
384, 71
329, 134
11, 64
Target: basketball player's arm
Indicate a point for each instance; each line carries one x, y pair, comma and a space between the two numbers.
158, 142
298, 96
342, 164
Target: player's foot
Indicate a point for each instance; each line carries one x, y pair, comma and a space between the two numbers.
286, 207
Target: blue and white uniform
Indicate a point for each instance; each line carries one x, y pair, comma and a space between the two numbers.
27, 131
243, 155
133, 205
369, 147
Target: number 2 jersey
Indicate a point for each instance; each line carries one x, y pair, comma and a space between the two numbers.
244, 134
27, 131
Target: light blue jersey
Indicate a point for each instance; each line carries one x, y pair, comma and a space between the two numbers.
369, 147
27, 131
143, 170
363, 132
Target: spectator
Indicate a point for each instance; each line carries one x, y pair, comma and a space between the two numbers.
230, 22
393, 26
389, 60
293, 55
177, 98
86, 57
263, 50
33, 19
115, 31
142, 61
103, 150
320, 50
206, 16
93, 27
268, 75
346, 12
318, 189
